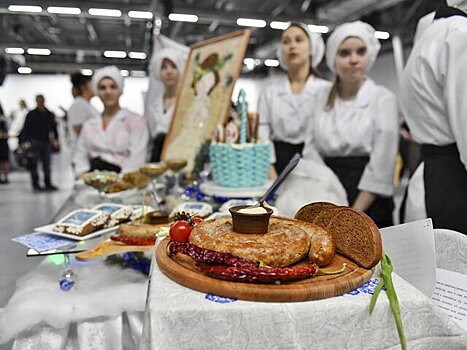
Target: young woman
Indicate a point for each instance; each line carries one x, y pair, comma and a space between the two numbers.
81, 110
357, 132
433, 93
288, 105
116, 140
166, 68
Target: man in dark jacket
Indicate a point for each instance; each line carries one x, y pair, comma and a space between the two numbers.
40, 129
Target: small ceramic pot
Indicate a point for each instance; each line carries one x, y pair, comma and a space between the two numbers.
250, 223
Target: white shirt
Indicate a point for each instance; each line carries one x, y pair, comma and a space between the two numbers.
287, 117
123, 142
433, 88
80, 111
365, 126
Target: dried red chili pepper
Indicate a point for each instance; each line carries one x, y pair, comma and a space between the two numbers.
260, 274
207, 256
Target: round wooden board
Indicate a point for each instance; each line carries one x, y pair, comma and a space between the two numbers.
181, 269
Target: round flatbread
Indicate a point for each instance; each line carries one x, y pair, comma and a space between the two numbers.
285, 243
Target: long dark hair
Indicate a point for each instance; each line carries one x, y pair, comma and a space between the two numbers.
79, 80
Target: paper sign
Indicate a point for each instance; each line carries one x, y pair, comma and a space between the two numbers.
411, 248
42, 242
450, 295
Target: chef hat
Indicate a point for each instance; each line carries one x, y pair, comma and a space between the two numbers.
358, 29
317, 47
176, 56
460, 4
111, 72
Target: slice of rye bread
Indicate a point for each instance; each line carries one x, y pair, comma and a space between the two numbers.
309, 212
326, 215
357, 237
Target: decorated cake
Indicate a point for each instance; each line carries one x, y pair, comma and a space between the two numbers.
237, 158
118, 213
82, 222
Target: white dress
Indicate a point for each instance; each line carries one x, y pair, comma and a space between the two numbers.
124, 142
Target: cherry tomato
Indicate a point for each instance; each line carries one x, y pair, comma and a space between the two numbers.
180, 231
196, 220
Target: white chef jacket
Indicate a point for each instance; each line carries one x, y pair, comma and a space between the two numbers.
80, 111
433, 88
158, 119
365, 126
287, 117
123, 142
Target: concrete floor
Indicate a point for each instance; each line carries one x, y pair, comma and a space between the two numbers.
20, 211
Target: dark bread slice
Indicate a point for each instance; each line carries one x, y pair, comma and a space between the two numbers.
357, 237
326, 215
310, 211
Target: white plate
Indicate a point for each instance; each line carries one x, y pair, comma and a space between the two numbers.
49, 229
212, 189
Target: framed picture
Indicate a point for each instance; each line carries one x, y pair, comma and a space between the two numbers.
204, 95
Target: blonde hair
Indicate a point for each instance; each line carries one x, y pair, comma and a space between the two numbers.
332, 94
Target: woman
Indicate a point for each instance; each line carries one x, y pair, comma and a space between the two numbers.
357, 132
4, 149
116, 140
81, 110
166, 67
433, 94
288, 105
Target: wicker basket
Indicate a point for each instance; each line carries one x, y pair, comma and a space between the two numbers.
240, 165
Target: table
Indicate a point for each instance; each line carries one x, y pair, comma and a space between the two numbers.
104, 310
180, 318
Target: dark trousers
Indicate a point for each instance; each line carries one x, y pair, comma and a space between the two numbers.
349, 170
445, 180
157, 145
284, 153
41, 152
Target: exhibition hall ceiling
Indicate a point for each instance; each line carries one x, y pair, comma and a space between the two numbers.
90, 34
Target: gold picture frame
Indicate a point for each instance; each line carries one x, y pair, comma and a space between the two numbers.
204, 95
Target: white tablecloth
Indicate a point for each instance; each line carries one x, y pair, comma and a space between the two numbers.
180, 318
104, 310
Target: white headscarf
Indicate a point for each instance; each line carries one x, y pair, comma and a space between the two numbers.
460, 4
358, 29
111, 72
174, 55
316, 43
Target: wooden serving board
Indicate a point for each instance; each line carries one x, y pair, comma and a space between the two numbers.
108, 248
181, 269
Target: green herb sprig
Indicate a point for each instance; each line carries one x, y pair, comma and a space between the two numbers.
386, 280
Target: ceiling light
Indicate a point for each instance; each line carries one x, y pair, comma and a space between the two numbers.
381, 35
250, 22
138, 73
14, 50
271, 63
40, 52
137, 55
104, 12
124, 73
24, 70
249, 63
115, 54
318, 29
140, 14
64, 10
24, 8
86, 71
178, 17
279, 25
